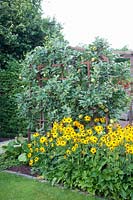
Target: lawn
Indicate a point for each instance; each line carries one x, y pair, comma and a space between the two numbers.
14, 187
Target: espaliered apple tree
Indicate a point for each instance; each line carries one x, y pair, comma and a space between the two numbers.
67, 89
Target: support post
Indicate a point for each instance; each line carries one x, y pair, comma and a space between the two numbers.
30, 94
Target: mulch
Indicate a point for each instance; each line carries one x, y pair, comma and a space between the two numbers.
23, 169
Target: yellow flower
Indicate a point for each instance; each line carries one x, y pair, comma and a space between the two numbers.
48, 134
98, 129
89, 131
87, 118
76, 123
73, 148
127, 145
93, 150
67, 120
36, 159
55, 126
42, 149
76, 145
96, 119
103, 139
109, 127
29, 145
36, 134
58, 143
83, 134
67, 137
86, 141
63, 143
68, 152
81, 127
103, 119
30, 162
111, 148
93, 139
29, 155
50, 139
36, 149
129, 149
55, 134
31, 150
43, 139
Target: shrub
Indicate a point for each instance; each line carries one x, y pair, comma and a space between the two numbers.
10, 84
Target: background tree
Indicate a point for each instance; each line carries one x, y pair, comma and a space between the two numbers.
22, 28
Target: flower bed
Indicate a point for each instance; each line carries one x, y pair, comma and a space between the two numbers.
85, 154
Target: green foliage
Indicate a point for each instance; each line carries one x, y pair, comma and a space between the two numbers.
14, 154
6, 163
14, 148
76, 93
85, 156
10, 124
22, 157
22, 28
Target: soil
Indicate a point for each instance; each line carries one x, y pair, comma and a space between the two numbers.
23, 169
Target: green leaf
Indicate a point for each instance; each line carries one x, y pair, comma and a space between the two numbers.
22, 157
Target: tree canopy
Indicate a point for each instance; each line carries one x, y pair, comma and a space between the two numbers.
22, 28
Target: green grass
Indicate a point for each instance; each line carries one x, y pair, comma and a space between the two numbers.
14, 187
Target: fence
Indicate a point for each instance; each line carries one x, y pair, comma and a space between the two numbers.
129, 55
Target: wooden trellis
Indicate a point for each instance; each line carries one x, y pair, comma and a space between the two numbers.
40, 79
